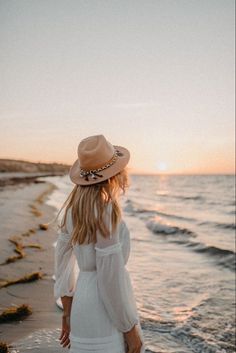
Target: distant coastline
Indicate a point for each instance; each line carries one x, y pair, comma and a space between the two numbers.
13, 171
16, 165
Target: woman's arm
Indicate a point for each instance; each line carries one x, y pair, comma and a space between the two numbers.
66, 303
65, 332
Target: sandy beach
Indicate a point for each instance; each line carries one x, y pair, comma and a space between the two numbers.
23, 209
181, 262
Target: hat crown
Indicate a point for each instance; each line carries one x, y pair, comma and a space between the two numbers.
94, 152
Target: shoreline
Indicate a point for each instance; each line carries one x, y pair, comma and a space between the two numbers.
23, 209
7, 179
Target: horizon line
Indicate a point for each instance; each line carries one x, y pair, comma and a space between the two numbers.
133, 172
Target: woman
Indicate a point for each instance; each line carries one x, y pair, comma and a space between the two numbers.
93, 245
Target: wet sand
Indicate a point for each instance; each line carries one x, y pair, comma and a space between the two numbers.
22, 209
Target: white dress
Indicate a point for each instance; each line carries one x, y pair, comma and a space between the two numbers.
95, 275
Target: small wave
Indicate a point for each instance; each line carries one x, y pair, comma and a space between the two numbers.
169, 215
195, 341
182, 197
157, 325
224, 257
161, 228
166, 215
194, 337
231, 226
204, 330
194, 198
212, 250
133, 208
226, 225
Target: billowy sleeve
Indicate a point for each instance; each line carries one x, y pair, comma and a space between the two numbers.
114, 283
65, 264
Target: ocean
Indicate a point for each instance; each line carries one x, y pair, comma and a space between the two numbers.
182, 261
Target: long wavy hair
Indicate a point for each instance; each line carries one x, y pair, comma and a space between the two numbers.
84, 199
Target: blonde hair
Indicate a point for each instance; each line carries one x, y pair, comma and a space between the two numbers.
84, 199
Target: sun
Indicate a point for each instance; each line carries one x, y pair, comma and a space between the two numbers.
162, 166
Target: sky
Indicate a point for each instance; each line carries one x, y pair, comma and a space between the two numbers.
155, 76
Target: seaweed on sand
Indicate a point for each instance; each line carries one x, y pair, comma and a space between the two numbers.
35, 211
15, 313
35, 246
28, 233
4, 348
43, 226
19, 250
34, 276
12, 259
41, 197
19, 246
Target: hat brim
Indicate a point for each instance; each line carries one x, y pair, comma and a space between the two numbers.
120, 163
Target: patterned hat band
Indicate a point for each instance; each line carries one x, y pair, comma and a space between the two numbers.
94, 172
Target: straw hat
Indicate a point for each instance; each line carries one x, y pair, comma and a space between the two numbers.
98, 160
